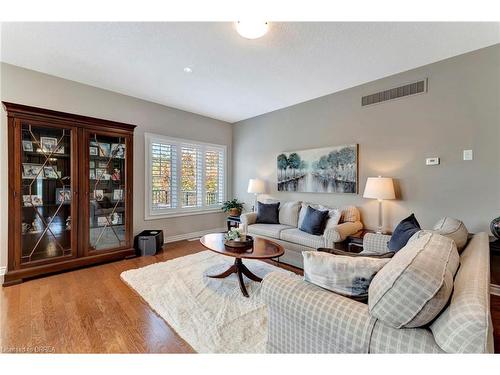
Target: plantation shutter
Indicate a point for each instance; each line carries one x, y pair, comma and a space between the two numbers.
191, 188
214, 176
163, 175
183, 176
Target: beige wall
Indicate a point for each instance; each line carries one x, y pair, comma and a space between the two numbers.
460, 111
32, 88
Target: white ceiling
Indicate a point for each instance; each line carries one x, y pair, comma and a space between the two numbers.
234, 78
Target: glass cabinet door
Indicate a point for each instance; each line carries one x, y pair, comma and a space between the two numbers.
107, 191
46, 195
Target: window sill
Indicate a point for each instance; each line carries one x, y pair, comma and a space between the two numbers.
182, 213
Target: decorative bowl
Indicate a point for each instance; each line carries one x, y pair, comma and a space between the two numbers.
239, 244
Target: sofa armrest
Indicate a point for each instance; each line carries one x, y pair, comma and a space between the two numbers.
304, 318
375, 243
339, 232
247, 219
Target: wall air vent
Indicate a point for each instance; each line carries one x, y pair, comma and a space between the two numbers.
409, 89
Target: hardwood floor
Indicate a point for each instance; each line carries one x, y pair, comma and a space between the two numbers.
92, 311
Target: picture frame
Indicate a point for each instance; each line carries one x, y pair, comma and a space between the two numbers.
118, 150
102, 221
32, 200
32, 171
116, 218
28, 146
92, 174
60, 150
93, 151
63, 195
104, 149
50, 172
100, 174
98, 195
117, 195
116, 175
331, 169
102, 164
48, 144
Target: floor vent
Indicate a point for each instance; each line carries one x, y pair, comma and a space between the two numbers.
409, 89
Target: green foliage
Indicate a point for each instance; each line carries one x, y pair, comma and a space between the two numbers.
282, 161
233, 203
294, 160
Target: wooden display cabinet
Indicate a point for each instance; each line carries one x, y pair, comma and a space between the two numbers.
70, 191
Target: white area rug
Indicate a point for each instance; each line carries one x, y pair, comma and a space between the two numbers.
210, 314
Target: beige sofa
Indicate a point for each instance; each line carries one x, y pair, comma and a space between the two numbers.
304, 318
292, 238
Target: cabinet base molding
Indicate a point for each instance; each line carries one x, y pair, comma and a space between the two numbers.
20, 275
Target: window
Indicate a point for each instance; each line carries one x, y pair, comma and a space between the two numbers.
183, 177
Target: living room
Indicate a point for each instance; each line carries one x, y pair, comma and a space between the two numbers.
254, 186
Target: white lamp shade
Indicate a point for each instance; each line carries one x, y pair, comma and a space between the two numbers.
379, 188
256, 186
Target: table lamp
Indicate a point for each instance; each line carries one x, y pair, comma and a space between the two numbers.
256, 187
379, 188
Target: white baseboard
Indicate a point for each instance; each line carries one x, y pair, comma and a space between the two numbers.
187, 236
3, 270
495, 289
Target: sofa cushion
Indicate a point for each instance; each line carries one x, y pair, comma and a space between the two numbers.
454, 229
314, 221
412, 289
403, 232
297, 236
345, 275
268, 230
267, 213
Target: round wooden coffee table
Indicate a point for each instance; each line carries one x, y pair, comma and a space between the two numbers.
262, 249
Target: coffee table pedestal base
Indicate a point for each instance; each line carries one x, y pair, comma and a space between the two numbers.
240, 269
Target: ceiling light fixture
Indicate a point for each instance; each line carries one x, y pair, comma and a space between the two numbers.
187, 69
252, 29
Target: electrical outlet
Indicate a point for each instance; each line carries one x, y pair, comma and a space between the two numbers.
468, 155
432, 161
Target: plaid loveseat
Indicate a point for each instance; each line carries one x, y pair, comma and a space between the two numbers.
304, 318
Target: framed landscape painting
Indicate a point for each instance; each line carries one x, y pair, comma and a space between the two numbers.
319, 170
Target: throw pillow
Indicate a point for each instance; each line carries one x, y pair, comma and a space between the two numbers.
417, 283
346, 275
403, 232
454, 229
334, 214
267, 213
350, 214
289, 213
314, 221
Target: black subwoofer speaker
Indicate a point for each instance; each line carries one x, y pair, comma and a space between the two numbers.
148, 242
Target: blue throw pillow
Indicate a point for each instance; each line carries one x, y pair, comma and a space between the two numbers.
403, 232
314, 221
268, 213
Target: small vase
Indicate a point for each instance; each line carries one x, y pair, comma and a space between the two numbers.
234, 212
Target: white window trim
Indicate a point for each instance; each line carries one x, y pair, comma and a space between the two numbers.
149, 213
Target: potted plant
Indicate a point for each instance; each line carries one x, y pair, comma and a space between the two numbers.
233, 207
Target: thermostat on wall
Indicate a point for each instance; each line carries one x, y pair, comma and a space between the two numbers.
432, 161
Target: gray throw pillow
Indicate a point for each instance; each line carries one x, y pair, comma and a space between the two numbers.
267, 213
314, 221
